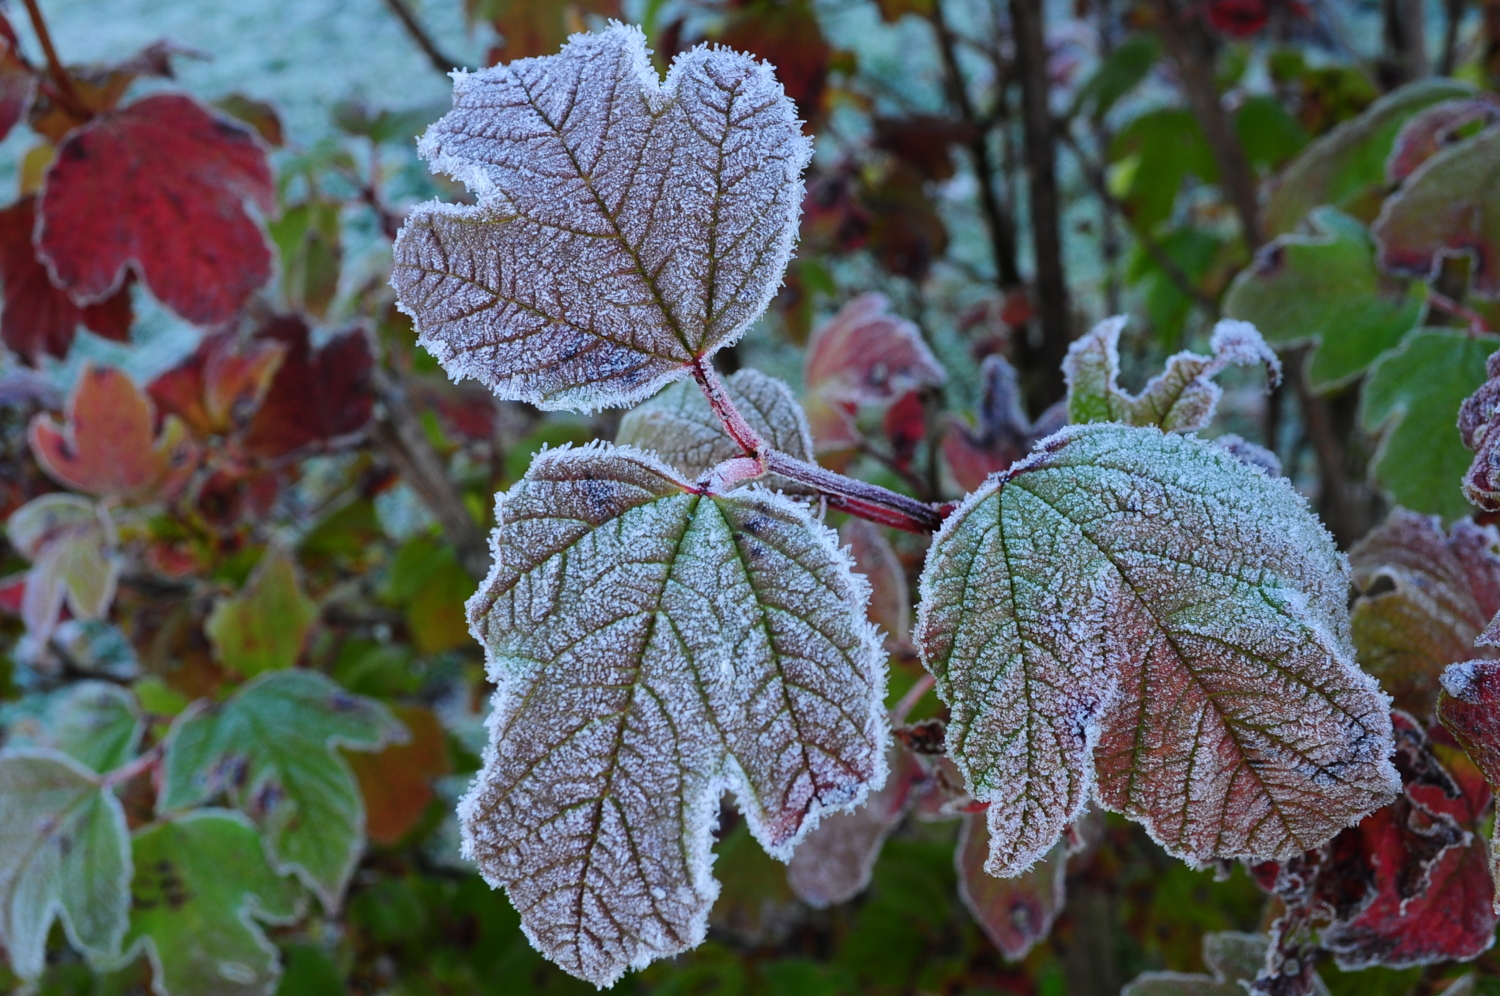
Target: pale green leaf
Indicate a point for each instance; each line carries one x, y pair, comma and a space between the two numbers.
1235, 960
271, 749
70, 542
201, 882
1182, 398
1326, 289
94, 722
64, 854
1412, 398
678, 425
654, 646
1147, 609
626, 226
262, 626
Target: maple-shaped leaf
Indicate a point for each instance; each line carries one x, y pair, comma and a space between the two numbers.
396, 783
37, 319
1325, 288
834, 862
876, 559
1182, 398
96, 723
71, 543
863, 355
1449, 206
272, 749
1346, 167
316, 395
1433, 130
625, 229
1004, 433
1014, 913
1151, 596
1477, 418
64, 854
263, 626
1427, 596
1234, 959
220, 385
110, 445
201, 884
655, 645
1412, 397
159, 187
679, 426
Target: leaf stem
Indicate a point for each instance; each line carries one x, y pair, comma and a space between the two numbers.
1442, 302
442, 63
131, 769
742, 432
60, 77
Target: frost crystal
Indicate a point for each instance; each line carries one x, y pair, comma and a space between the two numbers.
1181, 398
654, 646
625, 226
1152, 595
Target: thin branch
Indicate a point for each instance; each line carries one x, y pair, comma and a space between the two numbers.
440, 62
400, 435
1442, 302
1333, 496
1453, 11
60, 77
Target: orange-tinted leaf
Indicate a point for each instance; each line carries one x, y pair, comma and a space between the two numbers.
1015, 913
110, 446
39, 319
1477, 418
221, 385
257, 114
160, 187
1004, 434
1427, 596
317, 395
397, 782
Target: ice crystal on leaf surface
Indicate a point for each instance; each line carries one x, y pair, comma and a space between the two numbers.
654, 646
1146, 610
625, 226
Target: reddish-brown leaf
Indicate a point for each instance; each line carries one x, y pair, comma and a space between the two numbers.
397, 782
1015, 913
110, 446
867, 355
221, 385
926, 141
1427, 595
536, 27
39, 319
1433, 130
317, 394
1004, 434
905, 426
786, 34
1470, 709
1477, 418
159, 186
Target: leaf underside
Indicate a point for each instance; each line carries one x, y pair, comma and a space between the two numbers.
653, 647
625, 226
1146, 609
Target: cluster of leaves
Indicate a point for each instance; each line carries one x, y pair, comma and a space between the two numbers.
1059, 640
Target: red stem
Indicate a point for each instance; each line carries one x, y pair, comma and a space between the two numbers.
1446, 304
60, 77
742, 432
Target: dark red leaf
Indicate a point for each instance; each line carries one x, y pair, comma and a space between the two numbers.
218, 388
1470, 709
1237, 18
160, 187
785, 33
906, 427
316, 395
926, 141
1477, 418
1015, 913
38, 319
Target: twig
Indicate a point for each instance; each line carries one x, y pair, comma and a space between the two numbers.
1453, 11
913, 695
55, 69
1044, 206
126, 772
400, 435
1442, 302
440, 62
1185, 42
741, 431
1332, 495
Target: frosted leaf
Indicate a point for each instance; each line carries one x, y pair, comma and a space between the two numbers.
64, 854
1014, 913
94, 722
1150, 594
70, 542
1181, 398
679, 426
625, 226
654, 646
1235, 959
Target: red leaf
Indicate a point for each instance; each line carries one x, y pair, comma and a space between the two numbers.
316, 395
1470, 709
159, 186
890, 595
866, 355
110, 447
1015, 913
1004, 433
785, 33
906, 427
1433, 129
38, 319
1237, 18
220, 386
925, 141
1477, 419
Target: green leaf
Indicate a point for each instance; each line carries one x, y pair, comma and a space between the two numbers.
1325, 288
1120, 72
654, 645
1346, 167
308, 241
64, 853
262, 627
1412, 396
1164, 147
94, 722
272, 750
1195, 251
201, 881
1235, 960
70, 542
427, 582
1269, 134
1145, 609
1181, 398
